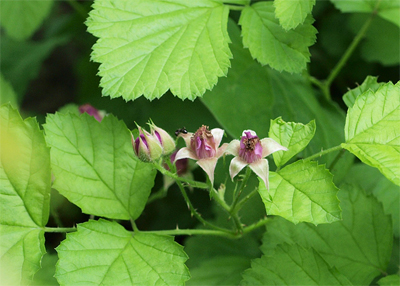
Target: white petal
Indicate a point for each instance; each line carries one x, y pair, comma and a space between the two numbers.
218, 133
261, 168
236, 166
221, 150
233, 148
186, 137
208, 165
185, 153
270, 146
251, 132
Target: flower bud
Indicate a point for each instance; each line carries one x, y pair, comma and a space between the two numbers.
163, 137
147, 148
98, 114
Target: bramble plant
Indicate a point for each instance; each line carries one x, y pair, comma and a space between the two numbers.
273, 183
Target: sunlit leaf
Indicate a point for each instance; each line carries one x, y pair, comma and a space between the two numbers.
24, 196
104, 253
270, 44
359, 246
292, 265
302, 191
387, 9
294, 136
370, 82
292, 13
147, 47
21, 19
372, 130
95, 167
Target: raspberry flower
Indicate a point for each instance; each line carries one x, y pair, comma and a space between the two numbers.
203, 147
250, 150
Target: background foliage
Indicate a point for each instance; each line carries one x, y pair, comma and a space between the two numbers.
257, 68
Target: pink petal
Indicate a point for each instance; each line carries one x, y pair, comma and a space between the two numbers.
208, 165
218, 134
237, 164
233, 148
185, 153
270, 146
261, 168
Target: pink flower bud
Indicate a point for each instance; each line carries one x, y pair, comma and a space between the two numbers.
92, 111
147, 148
163, 138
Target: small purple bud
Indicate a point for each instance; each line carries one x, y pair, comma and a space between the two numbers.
147, 148
163, 138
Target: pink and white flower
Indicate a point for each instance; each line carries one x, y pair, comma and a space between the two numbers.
250, 151
203, 147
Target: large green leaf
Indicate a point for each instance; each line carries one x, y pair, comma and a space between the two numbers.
387, 9
20, 19
257, 94
292, 13
270, 44
104, 253
95, 167
370, 82
302, 191
24, 196
372, 130
292, 265
149, 46
294, 136
359, 246
373, 182
391, 280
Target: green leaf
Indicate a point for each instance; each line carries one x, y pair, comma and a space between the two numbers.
373, 182
387, 9
30, 15
21, 61
302, 191
381, 42
359, 246
45, 276
292, 13
104, 253
370, 82
294, 136
220, 270
272, 94
292, 265
7, 93
153, 46
391, 280
24, 196
371, 130
95, 167
270, 44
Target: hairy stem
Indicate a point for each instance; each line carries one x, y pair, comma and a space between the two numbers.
211, 232
324, 152
175, 176
59, 229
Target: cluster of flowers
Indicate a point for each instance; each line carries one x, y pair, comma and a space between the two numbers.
203, 146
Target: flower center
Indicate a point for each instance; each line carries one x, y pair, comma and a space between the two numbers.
202, 143
250, 148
